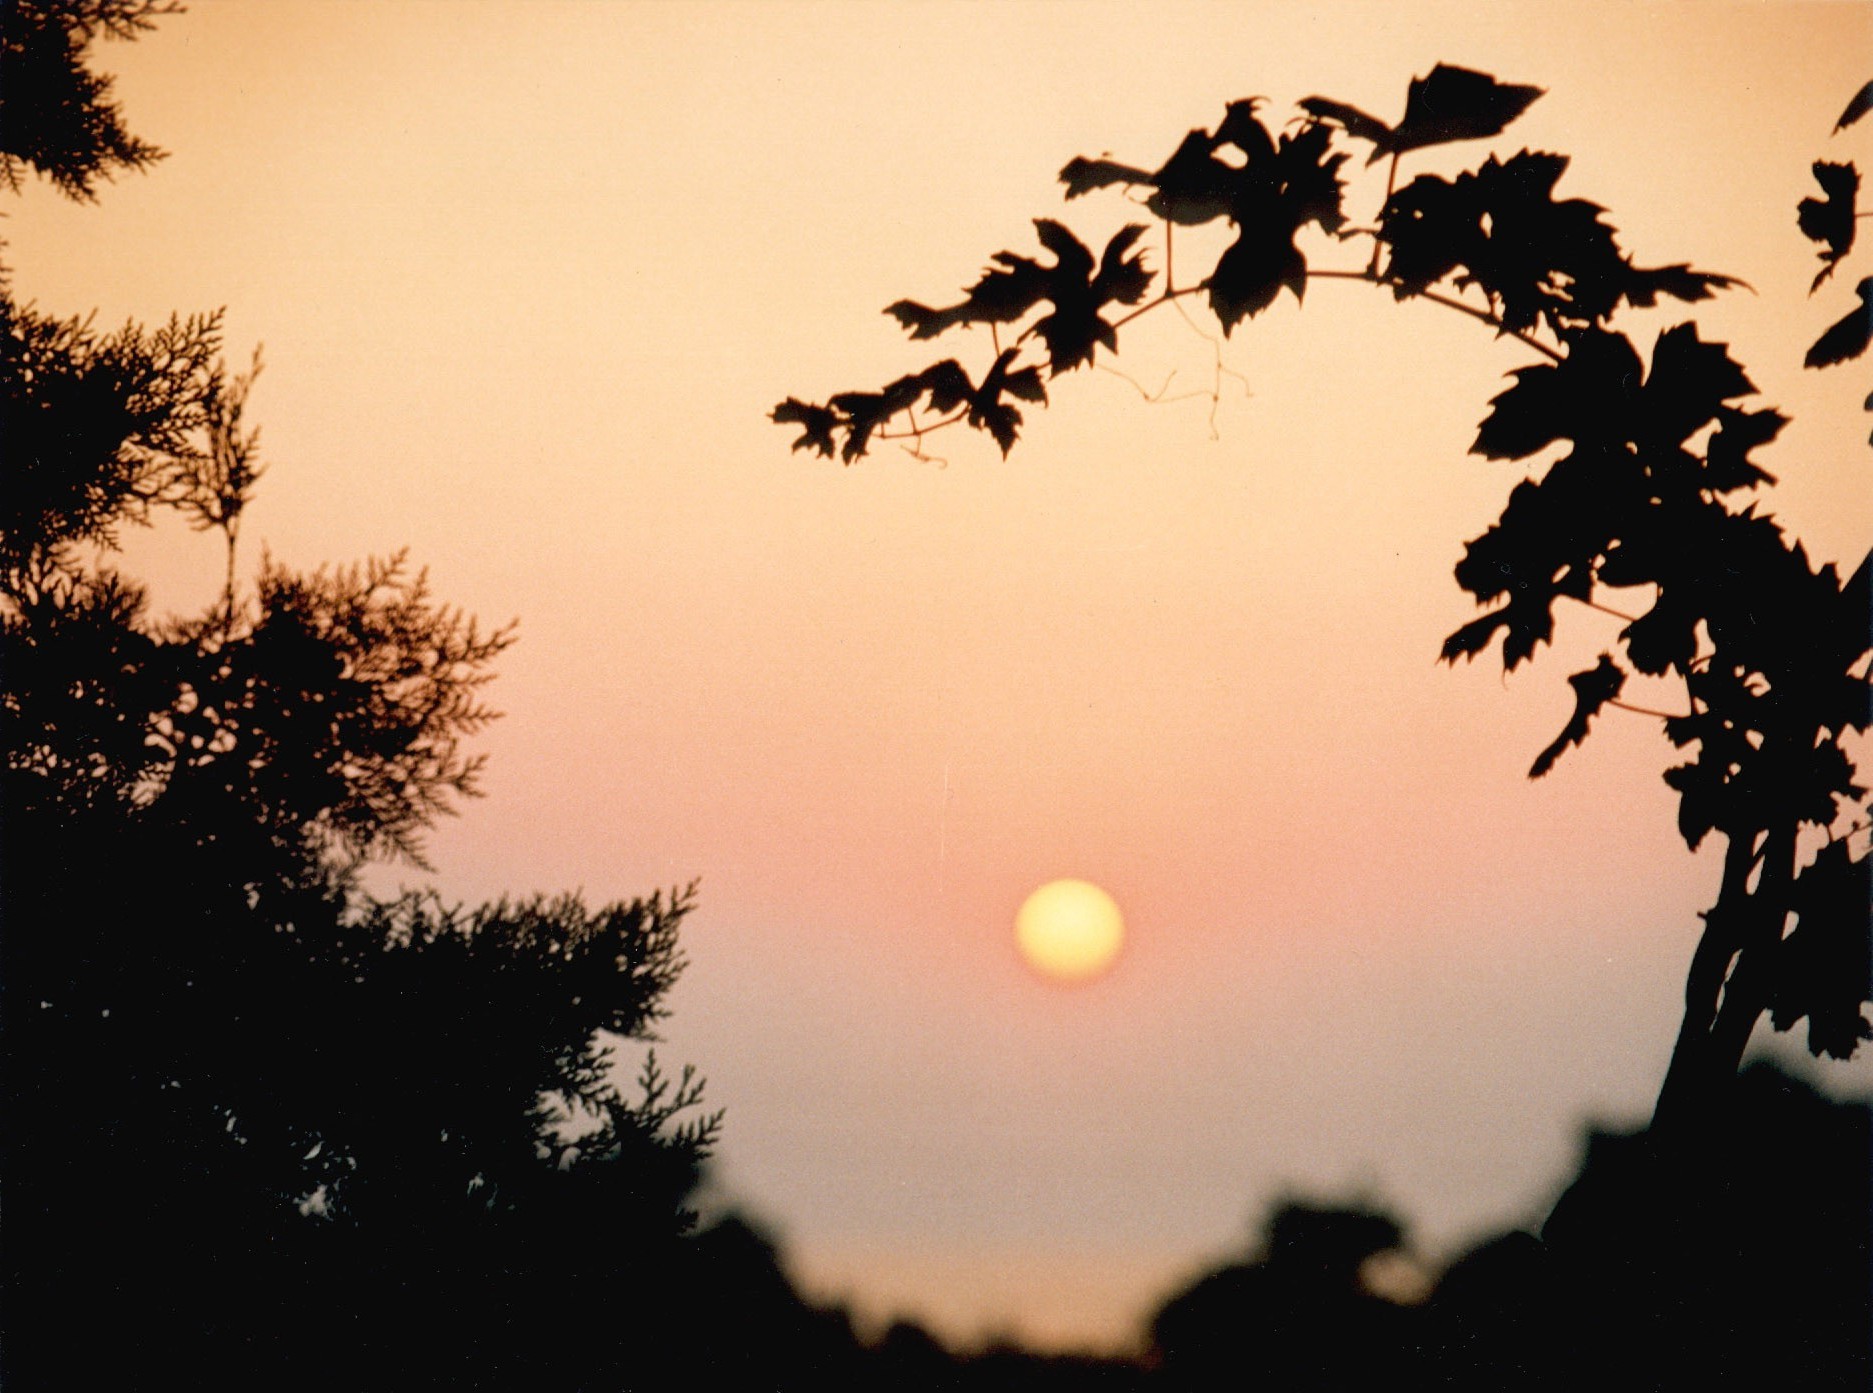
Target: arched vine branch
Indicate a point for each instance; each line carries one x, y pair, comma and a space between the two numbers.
1640, 479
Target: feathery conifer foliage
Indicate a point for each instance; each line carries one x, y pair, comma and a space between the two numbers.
262, 1129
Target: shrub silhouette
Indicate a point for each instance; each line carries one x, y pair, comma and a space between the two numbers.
262, 1130
1299, 1316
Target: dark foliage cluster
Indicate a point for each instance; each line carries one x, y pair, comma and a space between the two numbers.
1831, 221
77, 135
1641, 496
1746, 1270
262, 1129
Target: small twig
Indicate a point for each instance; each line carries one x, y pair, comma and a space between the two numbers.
1648, 711
1153, 397
1164, 299
921, 431
1391, 180
1605, 609
1218, 371
1452, 303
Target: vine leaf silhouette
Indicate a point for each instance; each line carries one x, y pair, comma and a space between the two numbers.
1078, 292
1727, 465
1281, 189
1006, 291
1847, 337
1190, 188
1593, 689
1551, 402
1076, 287
1861, 104
949, 388
1627, 505
1830, 220
1276, 190
946, 384
1645, 284
1594, 397
1451, 104
1535, 257
1770, 648
1193, 186
816, 424
865, 412
1823, 969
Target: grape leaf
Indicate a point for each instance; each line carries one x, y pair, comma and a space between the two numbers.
1189, 188
1847, 337
1727, 462
949, 387
1688, 384
1360, 124
1645, 284
1861, 104
1830, 220
1734, 786
1078, 293
1450, 104
1501, 225
1594, 396
1275, 191
1006, 291
1084, 176
1311, 187
1593, 689
1458, 104
864, 412
1823, 969
1280, 189
1588, 396
817, 424
1015, 284
1252, 271
1536, 257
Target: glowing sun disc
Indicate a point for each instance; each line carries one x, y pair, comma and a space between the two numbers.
1069, 930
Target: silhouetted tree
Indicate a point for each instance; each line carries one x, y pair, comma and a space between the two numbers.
261, 1129
1649, 509
1495, 1319
1753, 1268
1750, 1269
1300, 1315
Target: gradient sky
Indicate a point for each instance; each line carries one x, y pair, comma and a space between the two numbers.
529, 277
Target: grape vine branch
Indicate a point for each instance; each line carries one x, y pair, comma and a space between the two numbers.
1653, 492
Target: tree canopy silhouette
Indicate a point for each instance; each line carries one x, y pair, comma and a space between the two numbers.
262, 1128
1649, 508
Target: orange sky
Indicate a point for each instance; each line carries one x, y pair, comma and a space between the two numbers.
529, 277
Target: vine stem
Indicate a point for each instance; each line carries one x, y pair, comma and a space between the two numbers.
1647, 711
1391, 183
1169, 295
1605, 609
1450, 302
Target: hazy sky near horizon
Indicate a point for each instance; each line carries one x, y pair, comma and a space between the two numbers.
529, 278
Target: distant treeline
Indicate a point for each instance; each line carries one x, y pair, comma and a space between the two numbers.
1738, 1258
1744, 1264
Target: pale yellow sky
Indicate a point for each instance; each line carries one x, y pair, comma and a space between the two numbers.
529, 277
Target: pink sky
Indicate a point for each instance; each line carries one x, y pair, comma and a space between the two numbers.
529, 277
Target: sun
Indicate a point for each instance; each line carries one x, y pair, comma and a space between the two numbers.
1069, 930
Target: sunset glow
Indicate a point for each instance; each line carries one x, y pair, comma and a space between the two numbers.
530, 280
1069, 930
